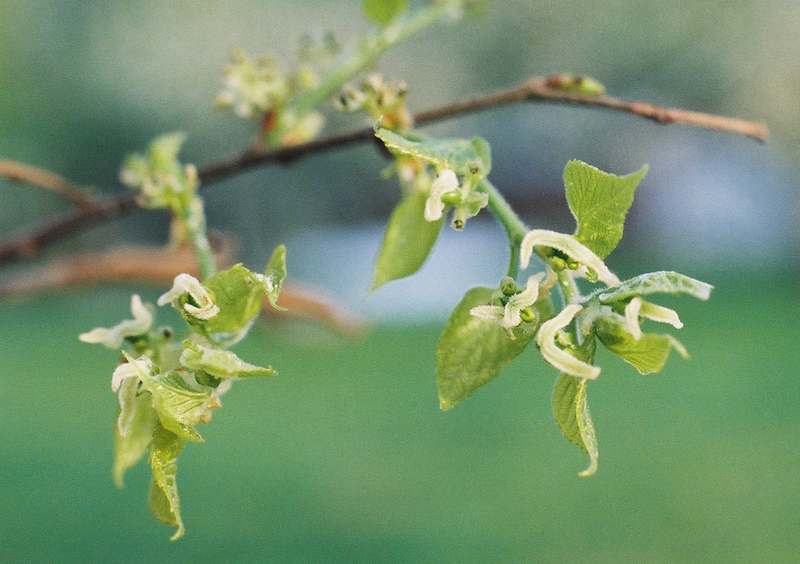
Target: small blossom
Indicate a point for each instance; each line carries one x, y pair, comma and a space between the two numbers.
556, 356
637, 308
508, 316
186, 284
444, 183
134, 368
568, 245
112, 338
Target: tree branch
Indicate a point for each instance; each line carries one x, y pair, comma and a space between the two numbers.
534, 90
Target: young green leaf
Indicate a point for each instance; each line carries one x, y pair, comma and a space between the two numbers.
384, 11
221, 364
141, 422
238, 293
180, 406
599, 201
472, 351
662, 282
571, 412
464, 156
407, 242
275, 274
648, 354
163, 499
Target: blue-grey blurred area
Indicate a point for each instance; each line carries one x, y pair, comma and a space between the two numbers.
84, 83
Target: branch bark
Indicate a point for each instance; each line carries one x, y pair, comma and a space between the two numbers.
534, 90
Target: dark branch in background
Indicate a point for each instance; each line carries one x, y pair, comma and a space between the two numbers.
534, 90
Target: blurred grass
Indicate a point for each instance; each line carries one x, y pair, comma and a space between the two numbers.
345, 457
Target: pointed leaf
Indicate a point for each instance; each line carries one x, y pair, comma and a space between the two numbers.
464, 156
599, 201
472, 351
222, 364
571, 412
647, 354
407, 242
662, 282
384, 11
163, 499
275, 274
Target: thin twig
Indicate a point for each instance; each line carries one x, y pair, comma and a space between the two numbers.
533, 90
20, 172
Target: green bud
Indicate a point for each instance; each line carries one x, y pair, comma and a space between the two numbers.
452, 198
557, 263
573, 264
508, 286
527, 315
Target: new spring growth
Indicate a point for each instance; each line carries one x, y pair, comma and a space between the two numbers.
516, 308
571, 247
547, 339
112, 338
637, 308
446, 191
191, 299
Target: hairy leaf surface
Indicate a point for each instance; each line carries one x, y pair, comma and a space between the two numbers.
663, 282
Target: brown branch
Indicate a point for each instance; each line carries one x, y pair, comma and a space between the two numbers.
533, 90
20, 172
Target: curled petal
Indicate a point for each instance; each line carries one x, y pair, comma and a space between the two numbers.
637, 307
568, 245
565, 362
134, 368
445, 182
187, 284
489, 312
112, 338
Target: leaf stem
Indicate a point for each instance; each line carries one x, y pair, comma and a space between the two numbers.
508, 218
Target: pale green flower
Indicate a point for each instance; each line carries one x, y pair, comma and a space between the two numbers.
568, 245
112, 338
637, 308
508, 316
555, 355
184, 284
447, 181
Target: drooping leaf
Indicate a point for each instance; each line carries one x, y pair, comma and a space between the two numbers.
571, 412
384, 11
180, 406
163, 499
648, 354
662, 282
141, 421
407, 242
465, 157
222, 364
472, 351
599, 201
275, 274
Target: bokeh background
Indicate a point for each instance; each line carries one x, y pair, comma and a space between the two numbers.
345, 457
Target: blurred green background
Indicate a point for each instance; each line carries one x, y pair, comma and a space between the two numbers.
345, 456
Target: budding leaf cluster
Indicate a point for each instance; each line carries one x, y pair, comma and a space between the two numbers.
166, 386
